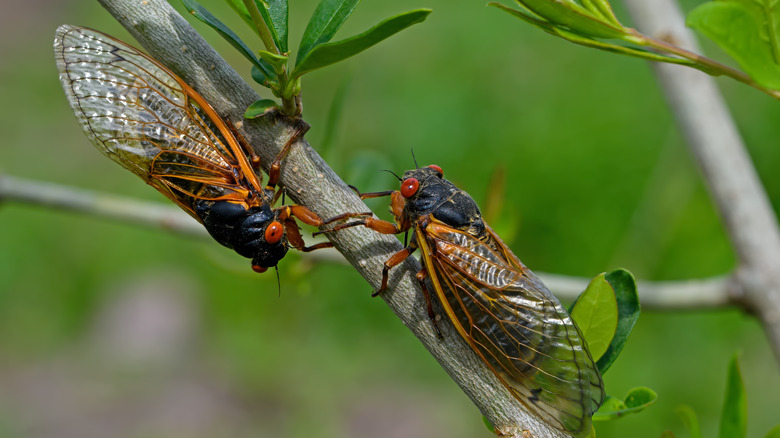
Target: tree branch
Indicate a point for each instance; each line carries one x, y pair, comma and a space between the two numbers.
708, 293
729, 173
115, 207
309, 181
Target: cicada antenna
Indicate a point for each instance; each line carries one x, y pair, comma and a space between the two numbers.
392, 173
415, 160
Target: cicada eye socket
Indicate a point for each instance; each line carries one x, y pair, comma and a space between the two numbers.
274, 232
437, 168
409, 187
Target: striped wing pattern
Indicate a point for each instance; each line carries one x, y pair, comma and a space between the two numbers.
516, 326
139, 114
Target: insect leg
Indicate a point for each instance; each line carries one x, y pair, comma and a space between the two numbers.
377, 225
397, 206
395, 260
371, 194
421, 276
296, 240
254, 159
310, 218
344, 216
288, 212
276, 166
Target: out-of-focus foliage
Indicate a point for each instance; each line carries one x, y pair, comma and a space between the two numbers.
747, 31
733, 419
597, 177
734, 415
635, 401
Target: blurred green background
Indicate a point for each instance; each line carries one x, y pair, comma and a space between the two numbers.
108, 329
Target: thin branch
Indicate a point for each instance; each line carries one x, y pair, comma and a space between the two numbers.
125, 209
309, 181
730, 175
708, 293
699, 294
702, 62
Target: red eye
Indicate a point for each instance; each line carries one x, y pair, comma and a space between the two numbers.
436, 168
259, 269
409, 187
274, 232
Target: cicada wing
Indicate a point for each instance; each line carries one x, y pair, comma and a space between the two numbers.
517, 327
145, 118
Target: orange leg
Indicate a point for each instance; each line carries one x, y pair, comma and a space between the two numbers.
254, 159
421, 276
309, 217
377, 225
344, 216
276, 166
288, 214
397, 202
296, 240
395, 260
371, 194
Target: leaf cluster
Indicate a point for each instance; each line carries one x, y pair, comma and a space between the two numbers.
606, 312
746, 29
272, 66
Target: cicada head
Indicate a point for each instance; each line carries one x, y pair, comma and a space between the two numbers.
424, 189
261, 236
426, 192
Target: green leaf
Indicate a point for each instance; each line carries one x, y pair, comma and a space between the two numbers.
602, 9
636, 401
774, 433
574, 17
596, 314
274, 13
487, 424
747, 32
330, 53
628, 309
577, 38
239, 8
205, 16
277, 61
260, 108
260, 77
326, 20
733, 420
690, 420
640, 397
612, 404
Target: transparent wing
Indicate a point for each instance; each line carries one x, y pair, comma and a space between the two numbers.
145, 118
516, 326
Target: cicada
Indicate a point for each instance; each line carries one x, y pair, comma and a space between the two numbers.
144, 117
503, 311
